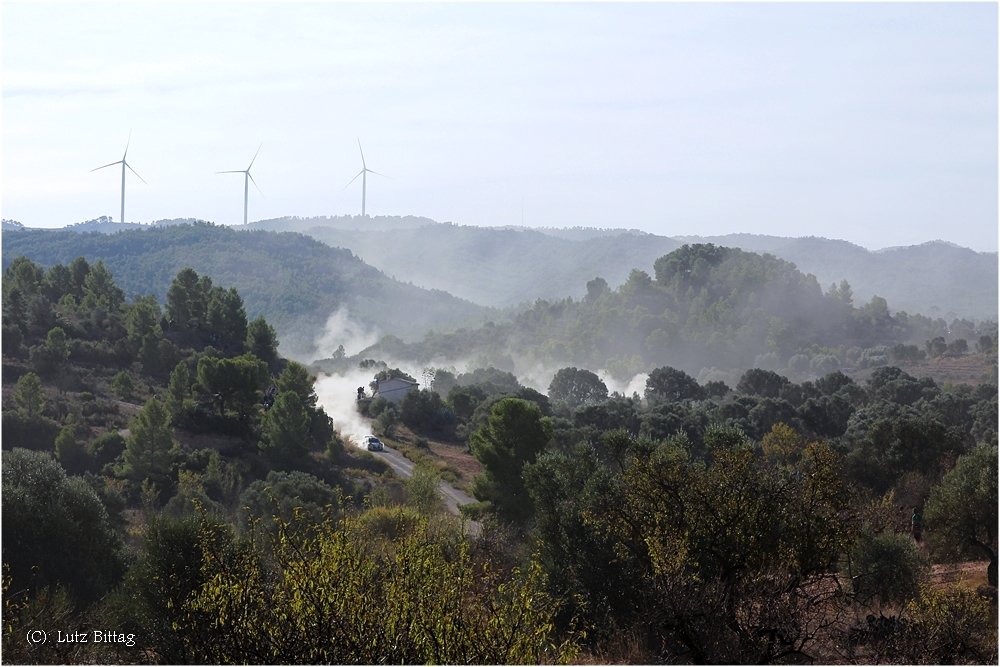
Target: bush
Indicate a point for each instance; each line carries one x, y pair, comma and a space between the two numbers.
884, 568
56, 530
122, 385
38, 432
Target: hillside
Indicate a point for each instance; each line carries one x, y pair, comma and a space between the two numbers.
506, 266
710, 311
297, 282
498, 267
502, 267
936, 278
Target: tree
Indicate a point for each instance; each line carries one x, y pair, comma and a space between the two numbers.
24, 275
984, 345
227, 317
728, 550
148, 447
122, 384
56, 530
30, 396
761, 382
672, 386
99, 289
884, 567
346, 593
80, 270
596, 288
961, 513
187, 299
262, 342
292, 496
576, 387
296, 378
514, 435
285, 431
142, 323
235, 383
51, 356
178, 389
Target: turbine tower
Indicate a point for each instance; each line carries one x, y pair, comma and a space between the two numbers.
124, 164
246, 183
364, 178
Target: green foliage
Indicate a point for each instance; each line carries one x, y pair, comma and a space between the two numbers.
30, 397
425, 411
187, 299
36, 433
262, 341
227, 317
961, 513
52, 356
422, 490
285, 431
514, 435
385, 423
152, 600
727, 550
149, 446
99, 289
122, 384
290, 496
576, 387
55, 529
70, 453
884, 567
349, 596
672, 385
296, 378
106, 448
761, 382
233, 384
178, 390
950, 626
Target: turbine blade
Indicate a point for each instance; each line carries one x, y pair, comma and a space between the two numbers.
127, 143
109, 165
255, 157
362, 155
382, 175
135, 172
232, 171
354, 179
255, 184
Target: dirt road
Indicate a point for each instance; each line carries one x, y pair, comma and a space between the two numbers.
452, 496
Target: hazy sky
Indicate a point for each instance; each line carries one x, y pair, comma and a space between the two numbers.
874, 123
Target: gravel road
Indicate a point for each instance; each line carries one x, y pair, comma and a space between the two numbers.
452, 496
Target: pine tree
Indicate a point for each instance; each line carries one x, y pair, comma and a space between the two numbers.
147, 448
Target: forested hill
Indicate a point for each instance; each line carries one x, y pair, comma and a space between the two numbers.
499, 267
707, 308
295, 281
504, 267
934, 278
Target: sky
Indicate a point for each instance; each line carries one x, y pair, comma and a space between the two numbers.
872, 123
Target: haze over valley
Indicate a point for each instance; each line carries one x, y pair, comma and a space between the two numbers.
500, 333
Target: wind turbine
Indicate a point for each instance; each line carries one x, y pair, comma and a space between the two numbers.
246, 183
364, 178
124, 164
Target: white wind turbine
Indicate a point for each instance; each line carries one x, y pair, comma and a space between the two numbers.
246, 183
364, 178
124, 164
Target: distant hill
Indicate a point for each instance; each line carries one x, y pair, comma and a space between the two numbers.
296, 281
506, 266
938, 279
499, 267
365, 223
708, 311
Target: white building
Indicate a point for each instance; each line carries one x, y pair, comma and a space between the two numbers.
395, 388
